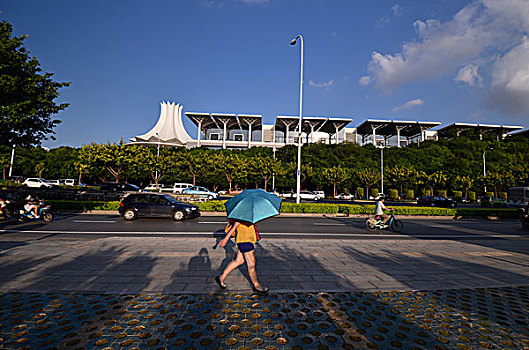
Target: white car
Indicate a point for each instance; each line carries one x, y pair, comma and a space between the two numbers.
35, 182
152, 188
179, 187
320, 194
346, 196
307, 195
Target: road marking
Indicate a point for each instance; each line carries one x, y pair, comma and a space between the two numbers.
291, 234
97, 221
327, 224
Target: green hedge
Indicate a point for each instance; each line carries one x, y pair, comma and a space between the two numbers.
83, 205
316, 208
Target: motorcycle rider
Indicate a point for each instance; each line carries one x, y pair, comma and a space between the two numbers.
32, 205
379, 209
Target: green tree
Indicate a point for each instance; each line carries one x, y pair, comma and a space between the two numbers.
465, 182
264, 168
4, 164
39, 169
435, 180
26, 95
400, 176
368, 177
335, 175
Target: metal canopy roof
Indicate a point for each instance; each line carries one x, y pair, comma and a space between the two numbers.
332, 124
204, 118
393, 127
313, 123
255, 120
480, 128
524, 133
282, 121
229, 119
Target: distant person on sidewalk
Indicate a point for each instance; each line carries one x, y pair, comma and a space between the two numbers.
246, 235
379, 209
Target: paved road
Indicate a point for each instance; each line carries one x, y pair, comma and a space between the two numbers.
97, 282
316, 227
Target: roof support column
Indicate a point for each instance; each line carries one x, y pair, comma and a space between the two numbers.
399, 128
337, 128
199, 132
250, 135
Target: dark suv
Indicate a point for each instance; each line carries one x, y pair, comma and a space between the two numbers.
153, 204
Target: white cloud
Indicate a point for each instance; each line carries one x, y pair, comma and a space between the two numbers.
485, 33
409, 105
213, 3
322, 85
469, 75
509, 92
365, 80
397, 10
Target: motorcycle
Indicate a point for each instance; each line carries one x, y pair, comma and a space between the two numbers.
524, 216
44, 213
374, 223
7, 209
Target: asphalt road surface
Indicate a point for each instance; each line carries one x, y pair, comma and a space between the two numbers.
92, 226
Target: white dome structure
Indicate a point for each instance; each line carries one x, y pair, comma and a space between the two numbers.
169, 130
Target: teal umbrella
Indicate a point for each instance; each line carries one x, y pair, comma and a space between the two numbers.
253, 206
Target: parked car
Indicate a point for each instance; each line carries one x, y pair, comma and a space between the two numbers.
288, 194
68, 182
436, 201
346, 196
55, 182
152, 188
320, 194
35, 182
493, 202
179, 187
119, 187
307, 195
145, 204
235, 191
201, 192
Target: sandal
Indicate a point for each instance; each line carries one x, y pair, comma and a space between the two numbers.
221, 285
261, 291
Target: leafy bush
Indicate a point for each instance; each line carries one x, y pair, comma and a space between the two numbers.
472, 196
410, 195
458, 196
83, 205
503, 195
441, 193
374, 192
393, 194
360, 192
489, 194
425, 192
317, 208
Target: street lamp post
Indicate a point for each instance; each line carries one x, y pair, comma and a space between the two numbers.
157, 157
381, 169
485, 168
298, 174
12, 160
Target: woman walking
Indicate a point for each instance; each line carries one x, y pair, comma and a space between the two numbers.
246, 235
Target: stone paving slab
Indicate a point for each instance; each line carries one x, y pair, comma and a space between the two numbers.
490, 318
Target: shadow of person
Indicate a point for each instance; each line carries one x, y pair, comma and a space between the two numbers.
200, 261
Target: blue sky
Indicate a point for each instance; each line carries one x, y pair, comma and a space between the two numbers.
445, 60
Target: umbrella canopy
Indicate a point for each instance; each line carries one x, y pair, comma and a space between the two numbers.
253, 206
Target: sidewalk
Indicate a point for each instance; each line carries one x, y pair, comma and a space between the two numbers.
156, 292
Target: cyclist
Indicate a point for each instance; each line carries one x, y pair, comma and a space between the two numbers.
379, 209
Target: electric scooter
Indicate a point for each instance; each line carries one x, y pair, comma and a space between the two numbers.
374, 223
44, 213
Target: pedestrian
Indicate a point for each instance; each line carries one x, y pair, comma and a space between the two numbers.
246, 235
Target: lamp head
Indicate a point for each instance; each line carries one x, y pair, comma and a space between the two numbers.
293, 42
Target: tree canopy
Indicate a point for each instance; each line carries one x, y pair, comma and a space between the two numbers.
26, 94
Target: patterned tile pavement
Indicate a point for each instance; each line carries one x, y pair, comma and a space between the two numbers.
484, 318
